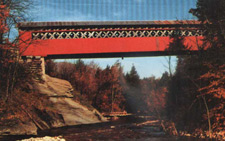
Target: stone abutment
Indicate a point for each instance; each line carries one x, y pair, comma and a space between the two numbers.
35, 66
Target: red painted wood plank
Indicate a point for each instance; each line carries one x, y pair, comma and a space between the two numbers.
99, 45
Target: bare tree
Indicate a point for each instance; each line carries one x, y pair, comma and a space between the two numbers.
169, 65
9, 40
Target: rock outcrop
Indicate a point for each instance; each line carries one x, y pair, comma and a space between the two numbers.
46, 138
67, 112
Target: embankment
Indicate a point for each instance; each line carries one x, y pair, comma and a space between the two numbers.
65, 111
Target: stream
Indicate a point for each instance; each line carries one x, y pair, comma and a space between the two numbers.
128, 128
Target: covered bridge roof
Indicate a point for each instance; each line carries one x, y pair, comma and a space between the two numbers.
103, 23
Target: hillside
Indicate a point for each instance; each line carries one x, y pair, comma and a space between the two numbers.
65, 111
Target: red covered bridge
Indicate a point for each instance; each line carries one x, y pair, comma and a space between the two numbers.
104, 39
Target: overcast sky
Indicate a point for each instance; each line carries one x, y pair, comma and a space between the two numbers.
117, 10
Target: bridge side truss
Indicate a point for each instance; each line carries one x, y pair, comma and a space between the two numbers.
115, 33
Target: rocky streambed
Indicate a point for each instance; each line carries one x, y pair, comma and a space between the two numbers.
126, 129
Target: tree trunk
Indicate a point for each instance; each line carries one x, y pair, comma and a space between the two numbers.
7, 84
1, 38
112, 98
208, 116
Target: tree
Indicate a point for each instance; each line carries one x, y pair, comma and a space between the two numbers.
4, 13
11, 12
132, 78
101, 88
211, 14
18, 102
164, 79
153, 95
109, 93
18, 13
196, 91
117, 97
176, 44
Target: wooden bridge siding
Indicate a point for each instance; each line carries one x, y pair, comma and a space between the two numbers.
98, 45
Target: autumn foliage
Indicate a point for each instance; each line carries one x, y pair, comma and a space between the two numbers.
6, 57
193, 97
101, 87
18, 103
4, 13
196, 93
110, 90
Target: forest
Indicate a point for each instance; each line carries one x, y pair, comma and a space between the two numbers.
109, 89
193, 97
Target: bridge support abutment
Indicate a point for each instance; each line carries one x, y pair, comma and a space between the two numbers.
36, 66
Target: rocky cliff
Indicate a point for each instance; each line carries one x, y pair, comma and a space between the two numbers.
67, 111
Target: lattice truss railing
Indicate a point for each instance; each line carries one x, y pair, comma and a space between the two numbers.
114, 33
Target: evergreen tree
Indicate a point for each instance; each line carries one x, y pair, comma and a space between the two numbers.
177, 44
212, 15
164, 79
197, 92
133, 78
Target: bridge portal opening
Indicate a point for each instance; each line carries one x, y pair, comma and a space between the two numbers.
116, 80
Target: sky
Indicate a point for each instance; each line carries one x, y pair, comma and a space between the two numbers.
117, 10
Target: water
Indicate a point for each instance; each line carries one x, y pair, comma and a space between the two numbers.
123, 129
